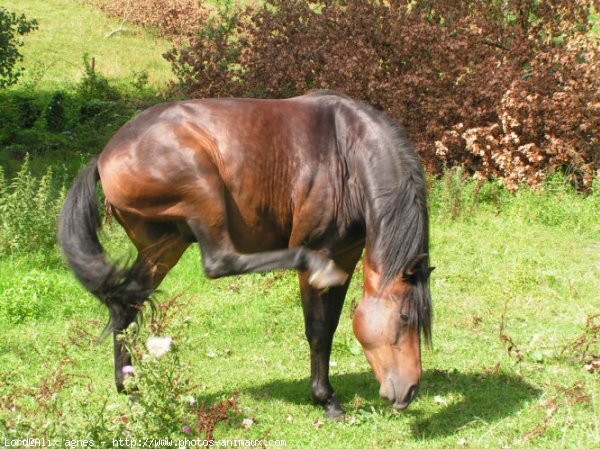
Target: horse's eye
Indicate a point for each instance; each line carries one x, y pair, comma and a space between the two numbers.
404, 318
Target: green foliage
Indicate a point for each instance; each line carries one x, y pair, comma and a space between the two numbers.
93, 84
160, 386
24, 298
75, 120
97, 114
56, 119
12, 28
557, 204
554, 203
219, 48
140, 81
160, 406
27, 109
21, 301
29, 207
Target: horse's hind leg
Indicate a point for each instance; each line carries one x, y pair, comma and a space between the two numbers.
321, 316
160, 247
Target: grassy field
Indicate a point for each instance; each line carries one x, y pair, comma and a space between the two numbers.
515, 294
528, 264
68, 29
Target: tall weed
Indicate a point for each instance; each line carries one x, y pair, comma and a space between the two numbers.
29, 207
456, 196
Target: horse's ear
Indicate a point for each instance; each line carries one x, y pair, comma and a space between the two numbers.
413, 267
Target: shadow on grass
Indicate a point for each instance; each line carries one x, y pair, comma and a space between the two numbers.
486, 397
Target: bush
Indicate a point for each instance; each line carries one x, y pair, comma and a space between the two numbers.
56, 119
68, 123
506, 90
12, 28
212, 67
96, 112
140, 80
177, 19
27, 110
94, 86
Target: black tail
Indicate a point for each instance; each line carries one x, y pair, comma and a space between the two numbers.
122, 290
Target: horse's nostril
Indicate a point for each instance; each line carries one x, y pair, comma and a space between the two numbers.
412, 393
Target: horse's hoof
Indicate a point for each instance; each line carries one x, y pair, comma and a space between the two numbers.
328, 276
334, 412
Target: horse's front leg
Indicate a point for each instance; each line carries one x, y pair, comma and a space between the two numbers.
322, 311
221, 258
321, 316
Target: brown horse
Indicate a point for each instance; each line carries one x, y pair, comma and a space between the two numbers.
303, 183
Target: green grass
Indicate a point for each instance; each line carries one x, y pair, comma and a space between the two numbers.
246, 338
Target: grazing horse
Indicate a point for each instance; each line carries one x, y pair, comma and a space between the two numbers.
304, 183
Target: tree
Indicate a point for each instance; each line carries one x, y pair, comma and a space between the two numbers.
12, 28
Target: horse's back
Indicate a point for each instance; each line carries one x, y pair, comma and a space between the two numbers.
269, 158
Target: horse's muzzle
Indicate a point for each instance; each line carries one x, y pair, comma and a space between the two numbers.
410, 396
395, 394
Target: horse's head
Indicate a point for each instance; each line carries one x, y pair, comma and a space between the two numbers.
388, 324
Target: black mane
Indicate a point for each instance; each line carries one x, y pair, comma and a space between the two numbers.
396, 217
399, 216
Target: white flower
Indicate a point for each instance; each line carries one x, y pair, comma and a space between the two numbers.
128, 369
247, 423
439, 400
159, 346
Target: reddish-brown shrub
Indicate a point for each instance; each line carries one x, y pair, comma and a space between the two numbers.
507, 89
546, 120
